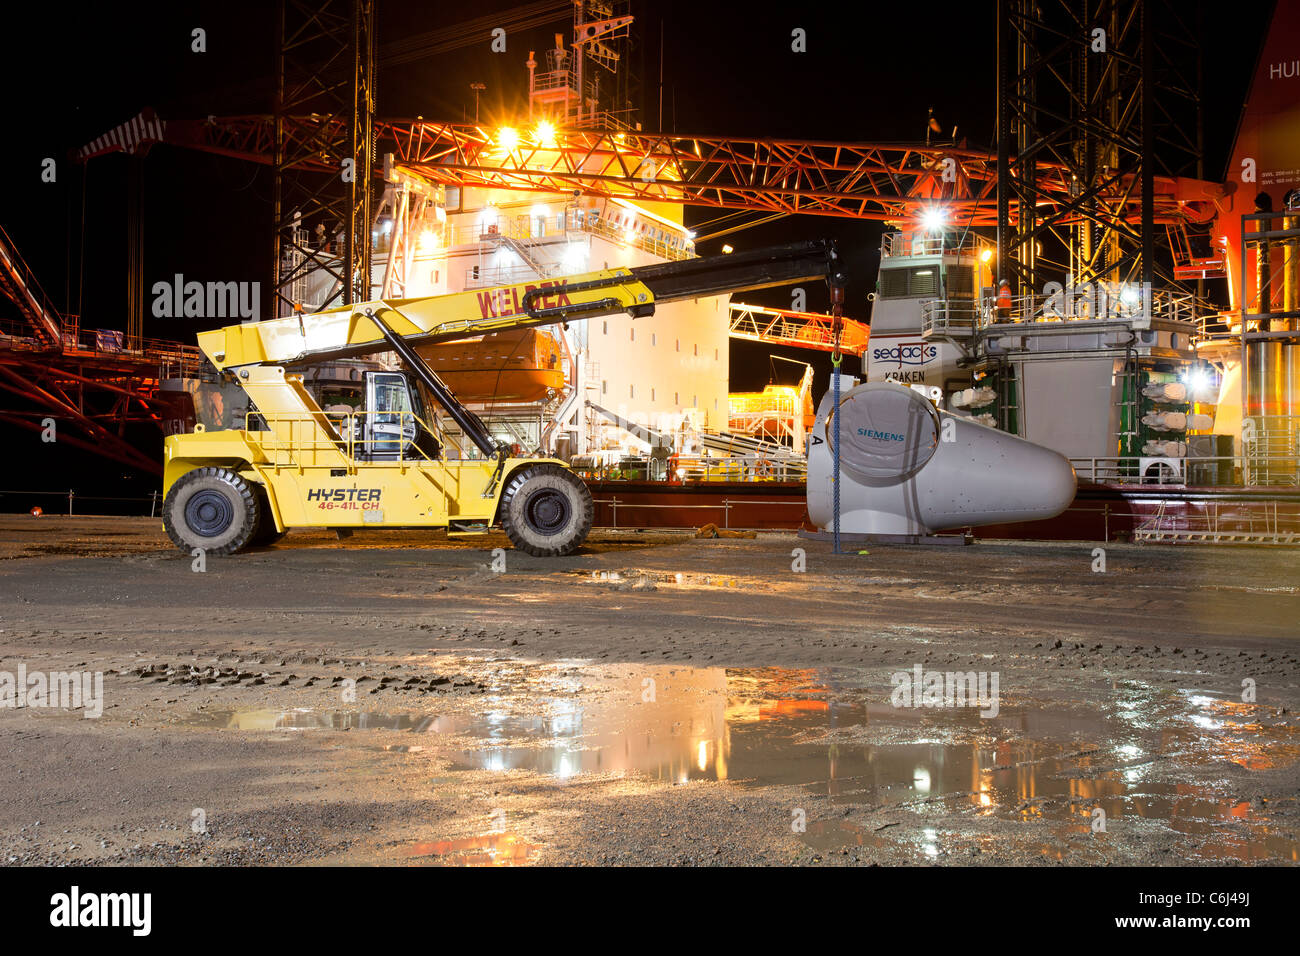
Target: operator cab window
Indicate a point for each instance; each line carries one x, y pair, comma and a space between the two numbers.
396, 421
391, 396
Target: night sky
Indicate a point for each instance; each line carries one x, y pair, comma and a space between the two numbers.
871, 73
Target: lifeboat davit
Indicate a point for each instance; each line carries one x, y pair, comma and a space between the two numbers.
521, 365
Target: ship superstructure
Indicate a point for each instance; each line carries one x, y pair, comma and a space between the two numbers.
1107, 374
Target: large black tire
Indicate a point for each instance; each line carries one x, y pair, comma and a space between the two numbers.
266, 534
212, 509
546, 510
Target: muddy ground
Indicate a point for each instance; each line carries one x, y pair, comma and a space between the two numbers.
391, 698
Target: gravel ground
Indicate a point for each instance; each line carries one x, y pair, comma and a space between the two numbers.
390, 698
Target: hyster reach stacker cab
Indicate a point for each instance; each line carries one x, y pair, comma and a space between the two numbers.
387, 464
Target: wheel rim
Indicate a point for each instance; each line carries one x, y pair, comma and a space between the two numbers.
547, 511
209, 513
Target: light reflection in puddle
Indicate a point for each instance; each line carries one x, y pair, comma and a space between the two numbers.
490, 849
304, 719
830, 732
640, 579
634, 579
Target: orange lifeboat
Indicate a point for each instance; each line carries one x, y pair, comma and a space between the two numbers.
516, 366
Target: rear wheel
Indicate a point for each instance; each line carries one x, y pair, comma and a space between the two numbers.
546, 510
212, 509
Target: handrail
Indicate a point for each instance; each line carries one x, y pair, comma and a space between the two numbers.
903, 244
341, 435
1094, 302
691, 468
172, 358
14, 265
611, 222
1164, 470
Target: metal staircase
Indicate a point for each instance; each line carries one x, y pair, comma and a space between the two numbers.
527, 250
20, 285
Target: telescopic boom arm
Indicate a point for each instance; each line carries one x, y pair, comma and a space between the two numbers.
348, 331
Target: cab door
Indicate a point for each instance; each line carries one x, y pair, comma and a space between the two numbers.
395, 423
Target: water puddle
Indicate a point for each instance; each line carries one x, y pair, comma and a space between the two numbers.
638, 580
303, 719
1145, 759
489, 849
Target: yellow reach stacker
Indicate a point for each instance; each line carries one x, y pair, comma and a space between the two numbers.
384, 464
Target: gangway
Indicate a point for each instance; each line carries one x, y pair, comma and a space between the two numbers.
727, 443
806, 330
648, 435
19, 284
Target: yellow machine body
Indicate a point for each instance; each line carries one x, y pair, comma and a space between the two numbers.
305, 456
369, 494
305, 460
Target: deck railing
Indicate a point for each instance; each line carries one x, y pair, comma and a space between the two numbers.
1195, 470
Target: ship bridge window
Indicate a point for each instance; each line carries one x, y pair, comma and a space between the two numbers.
908, 283
961, 283
893, 283
923, 282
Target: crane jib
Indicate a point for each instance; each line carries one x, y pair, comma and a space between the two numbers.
335, 334
742, 271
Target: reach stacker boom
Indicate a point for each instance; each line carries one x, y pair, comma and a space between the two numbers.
387, 464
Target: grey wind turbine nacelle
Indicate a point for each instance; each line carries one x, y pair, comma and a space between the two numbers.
907, 468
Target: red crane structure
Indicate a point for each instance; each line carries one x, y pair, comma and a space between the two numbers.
873, 181
94, 379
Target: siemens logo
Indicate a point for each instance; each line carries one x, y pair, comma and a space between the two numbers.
880, 436
906, 353
343, 494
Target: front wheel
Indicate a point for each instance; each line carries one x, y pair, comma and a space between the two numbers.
212, 509
546, 510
